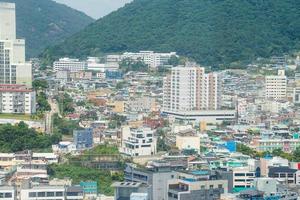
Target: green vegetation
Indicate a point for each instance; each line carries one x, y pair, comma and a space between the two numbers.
20, 137
130, 65
77, 171
63, 126
77, 174
294, 156
41, 28
161, 144
66, 105
43, 105
16, 116
211, 32
42, 102
40, 84
103, 150
116, 121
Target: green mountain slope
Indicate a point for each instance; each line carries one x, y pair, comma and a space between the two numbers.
210, 31
45, 22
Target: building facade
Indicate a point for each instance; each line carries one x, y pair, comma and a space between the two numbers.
189, 88
13, 68
276, 86
138, 142
17, 99
83, 139
72, 65
152, 59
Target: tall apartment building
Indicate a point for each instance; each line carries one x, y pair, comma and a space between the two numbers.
69, 64
13, 68
276, 86
150, 58
189, 88
17, 99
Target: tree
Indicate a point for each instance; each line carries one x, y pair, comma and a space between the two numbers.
40, 84
21, 137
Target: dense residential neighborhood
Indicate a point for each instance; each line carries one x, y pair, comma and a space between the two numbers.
145, 125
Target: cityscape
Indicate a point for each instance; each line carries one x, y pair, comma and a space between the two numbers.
142, 123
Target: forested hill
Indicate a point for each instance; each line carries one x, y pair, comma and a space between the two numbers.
210, 31
44, 22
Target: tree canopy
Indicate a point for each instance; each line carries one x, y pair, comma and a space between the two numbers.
211, 32
20, 137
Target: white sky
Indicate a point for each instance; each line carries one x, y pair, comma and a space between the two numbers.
95, 8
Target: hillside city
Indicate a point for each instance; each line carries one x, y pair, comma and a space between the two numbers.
145, 125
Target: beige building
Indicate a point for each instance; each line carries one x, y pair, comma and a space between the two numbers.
276, 86
189, 88
188, 140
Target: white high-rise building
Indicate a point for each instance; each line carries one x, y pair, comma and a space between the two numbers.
276, 86
189, 88
13, 68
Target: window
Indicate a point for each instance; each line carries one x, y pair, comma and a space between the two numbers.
59, 194
211, 186
8, 195
50, 194
41, 194
220, 186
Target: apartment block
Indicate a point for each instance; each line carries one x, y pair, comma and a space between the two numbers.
152, 59
196, 189
189, 89
276, 86
69, 64
17, 99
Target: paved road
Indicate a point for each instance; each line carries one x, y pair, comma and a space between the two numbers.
48, 118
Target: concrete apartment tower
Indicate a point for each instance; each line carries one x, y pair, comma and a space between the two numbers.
13, 68
276, 86
189, 89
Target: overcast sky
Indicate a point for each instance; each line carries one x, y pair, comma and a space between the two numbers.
95, 8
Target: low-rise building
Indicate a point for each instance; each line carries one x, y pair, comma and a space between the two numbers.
83, 139
138, 142
188, 140
43, 193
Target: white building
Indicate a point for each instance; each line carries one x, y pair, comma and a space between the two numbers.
13, 68
72, 65
43, 193
93, 64
242, 177
276, 86
296, 95
139, 196
150, 58
189, 88
138, 142
8, 193
17, 99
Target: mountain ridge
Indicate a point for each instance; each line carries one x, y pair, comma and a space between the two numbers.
212, 32
45, 23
